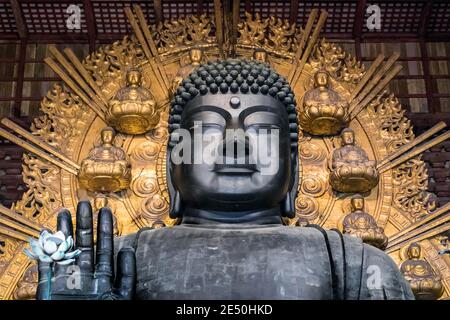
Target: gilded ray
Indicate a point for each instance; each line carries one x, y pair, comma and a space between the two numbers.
415, 152
19, 218
311, 42
42, 144
37, 151
308, 28
438, 127
75, 88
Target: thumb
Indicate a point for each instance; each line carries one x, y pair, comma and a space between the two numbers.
126, 274
44, 281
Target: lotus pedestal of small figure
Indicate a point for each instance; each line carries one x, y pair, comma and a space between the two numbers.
425, 284
106, 169
351, 169
133, 110
362, 225
324, 111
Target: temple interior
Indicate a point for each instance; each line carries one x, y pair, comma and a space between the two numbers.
411, 43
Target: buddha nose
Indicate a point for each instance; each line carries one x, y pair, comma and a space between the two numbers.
236, 146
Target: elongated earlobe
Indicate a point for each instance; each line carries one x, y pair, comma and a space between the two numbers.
288, 206
175, 206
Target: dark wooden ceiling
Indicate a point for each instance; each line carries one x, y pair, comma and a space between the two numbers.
101, 20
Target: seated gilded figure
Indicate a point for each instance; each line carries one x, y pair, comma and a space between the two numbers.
106, 168
230, 242
425, 283
133, 109
195, 58
351, 169
324, 111
362, 225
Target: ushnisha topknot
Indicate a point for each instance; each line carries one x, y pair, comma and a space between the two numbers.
234, 76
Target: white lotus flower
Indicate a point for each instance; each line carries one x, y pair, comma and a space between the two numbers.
52, 248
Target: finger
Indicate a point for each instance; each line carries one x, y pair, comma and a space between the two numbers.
44, 281
104, 264
64, 223
126, 274
84, 236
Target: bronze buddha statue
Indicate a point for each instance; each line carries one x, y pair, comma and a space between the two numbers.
425, 283
133, 109
324, 111
362, 225
106, 168
351, 169
230, 242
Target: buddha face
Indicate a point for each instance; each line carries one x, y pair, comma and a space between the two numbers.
321, 79
357, 203
260, 56
196, 56
229, 181
348, 137
414, 251
107, 136
134, 77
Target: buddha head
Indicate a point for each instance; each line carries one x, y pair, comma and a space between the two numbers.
414, 251
357, 203
231, 108
107, 136
196, 55
321, 79
260, 55
134, 77
347, 137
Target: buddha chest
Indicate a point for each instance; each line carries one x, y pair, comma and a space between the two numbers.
266, 262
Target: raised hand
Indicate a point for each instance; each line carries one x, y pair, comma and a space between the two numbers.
90, 276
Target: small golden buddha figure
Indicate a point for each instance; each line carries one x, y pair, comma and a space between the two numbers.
260, 55
195, 59
424, 282
133, 109
106, 168
351, 169
362, 225
101, 201
324, 111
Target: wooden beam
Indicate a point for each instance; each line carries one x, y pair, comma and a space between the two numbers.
20, 21
158, 11
90, 22
294, 12
20, 77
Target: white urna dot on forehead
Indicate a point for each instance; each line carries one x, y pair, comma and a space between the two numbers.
235, 102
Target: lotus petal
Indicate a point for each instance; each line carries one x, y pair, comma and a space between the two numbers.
56, 240
30, 254
63, 247
60, 235
57, 256
45, 258
72, 254
43, 236
36, 247
50, 247
65, 262
69, 241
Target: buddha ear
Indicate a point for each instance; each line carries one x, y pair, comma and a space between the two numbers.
288, 205
175, 209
